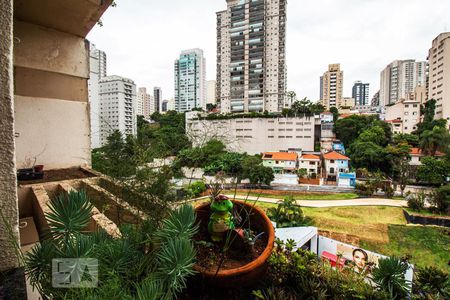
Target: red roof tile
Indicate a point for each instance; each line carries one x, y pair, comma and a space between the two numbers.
418, 152
280, 155
310, 156
333, 155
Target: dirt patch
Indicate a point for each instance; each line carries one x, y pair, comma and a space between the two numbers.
210, 256
342, 237
60, 175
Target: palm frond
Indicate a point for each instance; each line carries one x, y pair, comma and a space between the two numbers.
38, 264
69, 214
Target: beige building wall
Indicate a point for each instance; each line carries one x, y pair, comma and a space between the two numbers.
51, 97
211, 92
255, 135
332, 86
346, 102
439, 75
9, 218
408, 111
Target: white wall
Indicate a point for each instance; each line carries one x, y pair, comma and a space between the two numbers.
56, 131
255, 135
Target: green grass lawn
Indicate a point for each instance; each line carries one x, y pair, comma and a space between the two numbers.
383, 229
337, 196
426, 245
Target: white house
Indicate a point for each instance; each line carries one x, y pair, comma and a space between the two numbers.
310, 162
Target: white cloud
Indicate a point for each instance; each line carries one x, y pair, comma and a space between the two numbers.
143, 38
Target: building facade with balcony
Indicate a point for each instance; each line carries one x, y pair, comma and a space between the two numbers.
311, 163
335, 163
190, 81
399, 79
251, 56
118, 107
360, 92
97, 70
280, 162
439, 76
331, 86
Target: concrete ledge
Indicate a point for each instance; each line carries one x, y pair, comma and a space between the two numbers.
99, 219
131, 214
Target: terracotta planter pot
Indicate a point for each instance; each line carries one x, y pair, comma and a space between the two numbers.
250, 273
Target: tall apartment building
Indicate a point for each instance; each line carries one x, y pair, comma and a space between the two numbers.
190, 80
439, 75
210, 92
157, 95
251, 56
117, 106
254, 135
400, 78
144, 105
97, 70
165, 106
360, 92
332, 84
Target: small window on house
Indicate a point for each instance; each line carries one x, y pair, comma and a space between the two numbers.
332, 161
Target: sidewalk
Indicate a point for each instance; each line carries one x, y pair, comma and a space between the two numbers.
331, 203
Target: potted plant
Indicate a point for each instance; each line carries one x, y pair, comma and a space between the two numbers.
235, 253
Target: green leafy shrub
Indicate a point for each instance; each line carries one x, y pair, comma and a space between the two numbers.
431, 283
389, 276
287, 214
197, 188
440, 199
416, 201
301, 275
148, 261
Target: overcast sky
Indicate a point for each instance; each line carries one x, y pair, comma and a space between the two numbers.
142, 38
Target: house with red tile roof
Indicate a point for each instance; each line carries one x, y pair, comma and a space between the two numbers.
334, 163
311, 163
417, 155
280, 162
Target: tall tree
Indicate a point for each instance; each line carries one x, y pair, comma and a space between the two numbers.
433, 140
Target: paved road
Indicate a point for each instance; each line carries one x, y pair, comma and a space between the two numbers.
332, 203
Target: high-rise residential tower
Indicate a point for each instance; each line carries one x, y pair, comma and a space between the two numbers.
360, 92
117, 107
332, 83
210, 92
97, 64
190, 80
439, 76
400, 78
251, 56
144, 103
157, 95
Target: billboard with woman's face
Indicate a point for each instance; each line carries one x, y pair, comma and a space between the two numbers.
360, 260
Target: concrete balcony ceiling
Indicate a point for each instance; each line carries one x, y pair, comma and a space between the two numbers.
76, 17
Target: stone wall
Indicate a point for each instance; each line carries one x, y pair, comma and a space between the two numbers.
8, 185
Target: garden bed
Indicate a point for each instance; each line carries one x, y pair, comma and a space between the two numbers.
60, 175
